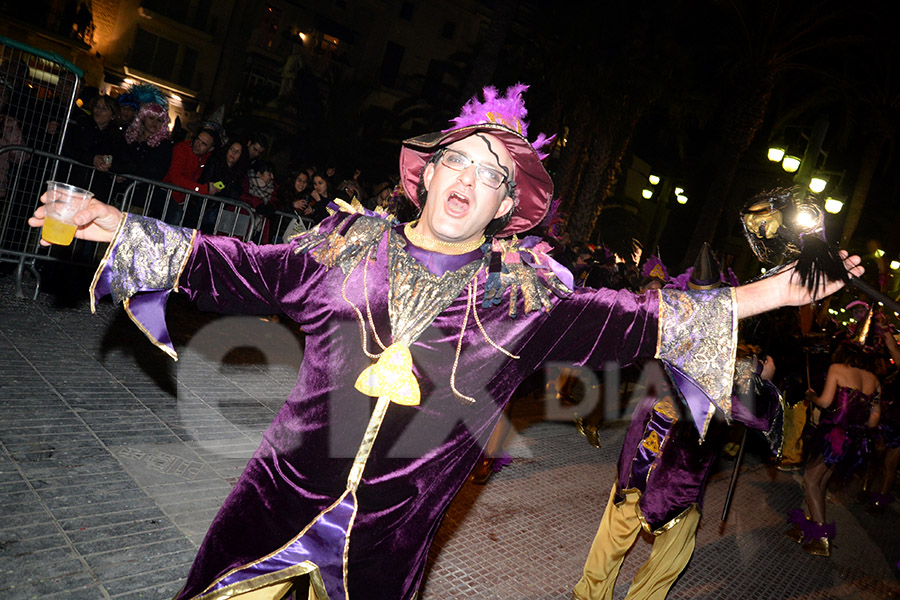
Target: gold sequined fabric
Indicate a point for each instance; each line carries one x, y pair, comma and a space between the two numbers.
147, 255
744, 371
417, 296
698, 334
344, 250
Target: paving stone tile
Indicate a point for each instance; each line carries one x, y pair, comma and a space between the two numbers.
68, 586
128, 540
136, 502
163, 583
138, 560
87, 521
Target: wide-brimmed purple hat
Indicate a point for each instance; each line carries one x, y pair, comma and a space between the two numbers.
502, 117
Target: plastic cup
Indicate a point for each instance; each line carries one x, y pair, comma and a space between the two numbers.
63, 201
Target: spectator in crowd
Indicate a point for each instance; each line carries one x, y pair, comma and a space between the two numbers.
320, 196
128, 108
147, 152
349, 190
10, 135
255, 145
295, 195
188, 159
223, 177
260, 192
295, 199
222, 170
93, 137
381, 196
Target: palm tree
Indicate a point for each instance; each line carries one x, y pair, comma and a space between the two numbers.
760, 42
874, 90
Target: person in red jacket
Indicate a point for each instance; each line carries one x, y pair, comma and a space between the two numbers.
188, 160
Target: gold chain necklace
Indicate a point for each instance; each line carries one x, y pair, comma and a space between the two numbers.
432, 245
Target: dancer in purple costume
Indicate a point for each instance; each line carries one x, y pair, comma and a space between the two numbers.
416, 337
842, 441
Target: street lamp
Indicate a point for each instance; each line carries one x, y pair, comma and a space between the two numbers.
833, 205
790, 163
654, 179
647, 193
776, 152
817, 184
681, 199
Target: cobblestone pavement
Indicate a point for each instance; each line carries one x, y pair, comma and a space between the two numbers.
114, 459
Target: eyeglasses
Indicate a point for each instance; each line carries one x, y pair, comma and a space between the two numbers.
458, 161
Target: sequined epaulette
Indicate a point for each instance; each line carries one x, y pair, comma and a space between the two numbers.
346, 244
525, 266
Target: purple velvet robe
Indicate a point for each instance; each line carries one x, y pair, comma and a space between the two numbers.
422, 454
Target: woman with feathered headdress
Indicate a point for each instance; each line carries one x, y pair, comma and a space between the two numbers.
148, 150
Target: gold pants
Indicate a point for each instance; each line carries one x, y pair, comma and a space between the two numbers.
619, 527
794, 421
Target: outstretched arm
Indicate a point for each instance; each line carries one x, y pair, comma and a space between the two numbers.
785, 289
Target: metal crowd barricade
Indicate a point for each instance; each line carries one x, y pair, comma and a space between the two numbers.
37, 94
19, 243
284, 225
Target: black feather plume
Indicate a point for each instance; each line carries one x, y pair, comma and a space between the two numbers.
818, 264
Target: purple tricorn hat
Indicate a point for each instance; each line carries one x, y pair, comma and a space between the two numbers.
502, 117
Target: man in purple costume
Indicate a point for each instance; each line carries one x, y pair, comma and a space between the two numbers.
426, 329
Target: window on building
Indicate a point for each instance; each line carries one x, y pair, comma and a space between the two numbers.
174, 9
448, 30
202, 18
188, 66
268, 32
329, 43
390, 65
153, 55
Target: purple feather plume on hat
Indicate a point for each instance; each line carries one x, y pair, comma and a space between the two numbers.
508, 110
680, 282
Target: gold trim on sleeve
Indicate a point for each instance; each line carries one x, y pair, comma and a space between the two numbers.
105, 261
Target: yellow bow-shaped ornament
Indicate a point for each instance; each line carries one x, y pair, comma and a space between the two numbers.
392, 377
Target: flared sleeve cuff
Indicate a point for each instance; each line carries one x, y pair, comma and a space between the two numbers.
697, 342
140, 269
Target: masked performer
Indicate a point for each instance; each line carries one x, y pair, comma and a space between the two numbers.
416, 337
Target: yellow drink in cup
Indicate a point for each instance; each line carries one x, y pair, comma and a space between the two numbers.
62, 202
57, 233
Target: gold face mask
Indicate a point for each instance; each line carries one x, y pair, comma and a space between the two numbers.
762, 220
776, 221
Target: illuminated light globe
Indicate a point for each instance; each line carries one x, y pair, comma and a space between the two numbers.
647, 194
654, 179
790, 163
895, 265
681, 199
817, 184
808, 217
679, 191
775, 153
833, 205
